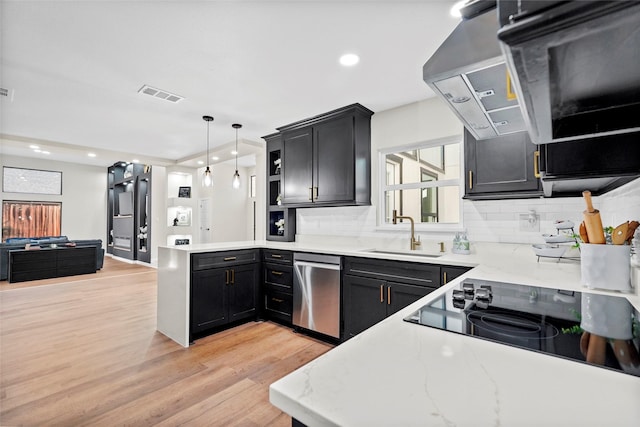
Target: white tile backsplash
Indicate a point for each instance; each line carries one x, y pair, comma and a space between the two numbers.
485, 221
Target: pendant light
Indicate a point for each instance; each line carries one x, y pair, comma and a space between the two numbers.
236, 176
207, 178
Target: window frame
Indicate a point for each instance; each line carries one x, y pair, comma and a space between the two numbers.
383, 187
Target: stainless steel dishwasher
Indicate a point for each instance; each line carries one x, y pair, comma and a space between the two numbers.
316, 293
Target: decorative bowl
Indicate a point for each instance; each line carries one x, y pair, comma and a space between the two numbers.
551, 251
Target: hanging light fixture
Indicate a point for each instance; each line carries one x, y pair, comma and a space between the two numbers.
207, 178
236, 176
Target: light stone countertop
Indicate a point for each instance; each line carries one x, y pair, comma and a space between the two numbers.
401, 374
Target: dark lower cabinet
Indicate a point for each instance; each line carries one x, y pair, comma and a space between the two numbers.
209, 297
374, 289
278, 285
367, 301
223, 295
363, 302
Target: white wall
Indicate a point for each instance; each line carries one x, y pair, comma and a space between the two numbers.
229, 213
84, 195
490, 221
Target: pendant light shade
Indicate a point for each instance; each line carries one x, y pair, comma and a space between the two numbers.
236, 175
207, 177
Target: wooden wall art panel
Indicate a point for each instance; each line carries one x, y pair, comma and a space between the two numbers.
30, 219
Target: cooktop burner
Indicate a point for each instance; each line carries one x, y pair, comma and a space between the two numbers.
597, 329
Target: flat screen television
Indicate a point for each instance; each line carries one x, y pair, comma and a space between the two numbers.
125, 203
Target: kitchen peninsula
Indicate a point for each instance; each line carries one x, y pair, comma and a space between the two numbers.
397, 373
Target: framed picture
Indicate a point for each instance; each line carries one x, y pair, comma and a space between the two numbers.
184, 192
183, 218
35, 181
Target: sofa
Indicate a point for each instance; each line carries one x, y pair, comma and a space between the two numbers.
44, 242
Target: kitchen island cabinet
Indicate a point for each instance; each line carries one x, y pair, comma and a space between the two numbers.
226, 293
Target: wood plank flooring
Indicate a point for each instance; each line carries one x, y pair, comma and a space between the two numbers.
83, 351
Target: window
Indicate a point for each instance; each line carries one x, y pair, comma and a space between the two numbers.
423, 182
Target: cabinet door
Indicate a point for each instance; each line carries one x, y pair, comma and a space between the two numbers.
297, 166
400, 295
243, 291
208, 299
334, 163
500, 165
364, 304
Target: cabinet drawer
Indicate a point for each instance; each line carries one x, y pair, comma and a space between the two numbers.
283, 257
208, 260
412, 273
278, 305
279, 275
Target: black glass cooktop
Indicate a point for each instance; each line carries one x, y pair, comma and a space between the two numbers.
600, 330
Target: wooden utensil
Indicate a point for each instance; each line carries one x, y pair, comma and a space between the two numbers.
596, 349
633, 225
583, 232
592, 221
619, 235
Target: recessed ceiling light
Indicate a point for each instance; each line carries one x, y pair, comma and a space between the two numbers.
34, 147
45, 152
91, 154
349, 59
135, 161
215, 158
455, 9
200, 162
234, 152
37, 150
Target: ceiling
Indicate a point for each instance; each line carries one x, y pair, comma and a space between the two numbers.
73, 71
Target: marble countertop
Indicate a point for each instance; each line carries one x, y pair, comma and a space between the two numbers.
402, 374
398, 373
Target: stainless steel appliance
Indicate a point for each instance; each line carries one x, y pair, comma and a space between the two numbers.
316, 293
469, 73
601, 330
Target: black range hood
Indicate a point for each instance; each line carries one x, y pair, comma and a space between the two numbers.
594, 164
575, 66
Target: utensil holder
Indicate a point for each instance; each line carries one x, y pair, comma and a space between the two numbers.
606, 267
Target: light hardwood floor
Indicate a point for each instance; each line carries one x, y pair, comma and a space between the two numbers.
84, 350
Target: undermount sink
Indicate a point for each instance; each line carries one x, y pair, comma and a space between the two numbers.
406, 253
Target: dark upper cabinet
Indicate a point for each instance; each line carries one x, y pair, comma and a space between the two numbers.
334, 161
298, 166
501, 167
326, 160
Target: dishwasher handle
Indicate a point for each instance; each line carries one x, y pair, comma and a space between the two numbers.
317, 265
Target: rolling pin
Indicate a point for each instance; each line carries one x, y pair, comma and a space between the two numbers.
592, 221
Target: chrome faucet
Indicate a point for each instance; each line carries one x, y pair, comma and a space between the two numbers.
414, 242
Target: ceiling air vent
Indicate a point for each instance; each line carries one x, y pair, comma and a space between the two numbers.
4, 92
159, 93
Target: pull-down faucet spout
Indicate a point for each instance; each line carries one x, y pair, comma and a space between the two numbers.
414, 242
